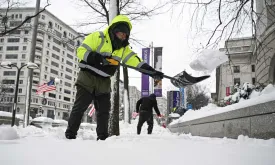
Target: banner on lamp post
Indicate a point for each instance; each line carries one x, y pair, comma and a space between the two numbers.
158, 67
176, 99
145, 78
182, 97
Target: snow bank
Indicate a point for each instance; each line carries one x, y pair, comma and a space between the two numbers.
6, 114
8, 133
43, 119
61, 122
268, 94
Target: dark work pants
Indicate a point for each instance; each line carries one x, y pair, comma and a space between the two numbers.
145, 117
83, 100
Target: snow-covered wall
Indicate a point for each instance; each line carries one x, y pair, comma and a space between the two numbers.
257, 121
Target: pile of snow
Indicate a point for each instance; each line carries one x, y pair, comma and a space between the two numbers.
21, 116
208, 60
6, 114
43, 119
268, 94
63, 122
174, 115
88, 126
8, 133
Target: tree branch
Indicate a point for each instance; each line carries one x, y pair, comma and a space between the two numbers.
28, 18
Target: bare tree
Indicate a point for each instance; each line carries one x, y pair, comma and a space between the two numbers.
221, 20
197, 96
5, 17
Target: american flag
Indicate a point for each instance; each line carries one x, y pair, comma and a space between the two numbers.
92, 110
49, 86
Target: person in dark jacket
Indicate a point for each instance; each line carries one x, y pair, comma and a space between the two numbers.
144, 107
99, 56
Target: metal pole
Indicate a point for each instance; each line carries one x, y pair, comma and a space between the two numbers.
55, 102
32, 55
152, 64
15, 97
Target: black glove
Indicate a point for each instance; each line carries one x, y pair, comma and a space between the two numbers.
157, 75
95, 58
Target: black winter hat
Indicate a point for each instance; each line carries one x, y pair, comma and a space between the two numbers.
122, 27
153, 95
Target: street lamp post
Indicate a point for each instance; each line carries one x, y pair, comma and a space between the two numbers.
56, 81
9, 65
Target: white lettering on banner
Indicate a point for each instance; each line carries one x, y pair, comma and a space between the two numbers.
146, 55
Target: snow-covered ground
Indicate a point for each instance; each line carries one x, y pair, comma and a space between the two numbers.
47, 146
268, 94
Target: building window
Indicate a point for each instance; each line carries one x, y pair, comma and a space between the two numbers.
67, 91
12, 48
64, 34
56, 49
253, 68
236, 69
52, 95
69, 63
2, 40
20, 90
8, 82
23, 56
253, 80
13, 39
9, 73
20, 81
1, 48
46, 69
26, 32
11, 56
237, 81
70, 56
45, 76
68, 77
54, 72
25, 40
69, 70
24, 48
15, 32
67, 99
54, 64
50, 25
48, 52
43, 17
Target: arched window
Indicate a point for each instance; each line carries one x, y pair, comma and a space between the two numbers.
50, 25
64, 34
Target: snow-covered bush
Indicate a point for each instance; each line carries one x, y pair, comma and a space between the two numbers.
245, 92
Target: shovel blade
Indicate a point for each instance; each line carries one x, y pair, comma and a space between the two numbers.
184, 79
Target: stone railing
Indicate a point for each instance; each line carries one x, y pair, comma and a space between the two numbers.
257, 121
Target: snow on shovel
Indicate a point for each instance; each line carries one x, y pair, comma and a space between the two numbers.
208, 60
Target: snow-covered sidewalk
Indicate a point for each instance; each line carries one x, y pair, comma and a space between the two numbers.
47, 146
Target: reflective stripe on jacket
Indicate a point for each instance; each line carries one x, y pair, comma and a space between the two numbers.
100, 42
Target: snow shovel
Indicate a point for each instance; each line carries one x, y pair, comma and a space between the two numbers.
181, 80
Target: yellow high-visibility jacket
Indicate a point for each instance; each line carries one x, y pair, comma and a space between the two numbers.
100, 42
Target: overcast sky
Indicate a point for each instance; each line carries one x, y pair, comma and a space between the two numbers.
171, 33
